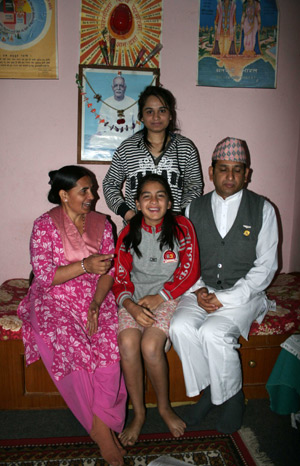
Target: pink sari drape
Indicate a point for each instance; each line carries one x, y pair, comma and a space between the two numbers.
77, 247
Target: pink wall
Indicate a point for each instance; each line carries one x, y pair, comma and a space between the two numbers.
38, 124
295, 250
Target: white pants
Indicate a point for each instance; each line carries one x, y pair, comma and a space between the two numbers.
207, 344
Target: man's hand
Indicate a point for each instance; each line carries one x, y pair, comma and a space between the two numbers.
151, 302
208, 301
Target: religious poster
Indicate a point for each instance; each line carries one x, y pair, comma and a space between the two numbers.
121, 33
238, 43
28, 46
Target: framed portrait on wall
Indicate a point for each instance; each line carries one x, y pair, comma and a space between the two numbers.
108, 108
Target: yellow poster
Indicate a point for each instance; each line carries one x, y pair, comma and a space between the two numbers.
121, 33
28, 45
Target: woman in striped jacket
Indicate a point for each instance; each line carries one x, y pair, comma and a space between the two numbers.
157, 148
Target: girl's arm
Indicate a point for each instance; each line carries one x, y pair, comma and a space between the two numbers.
143, 316
188, 270
151, 302
123, 287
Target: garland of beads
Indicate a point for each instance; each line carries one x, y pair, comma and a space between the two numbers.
98, 97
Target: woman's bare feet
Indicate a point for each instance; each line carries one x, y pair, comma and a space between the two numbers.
122, 450
174, 423
131, 433
102, 435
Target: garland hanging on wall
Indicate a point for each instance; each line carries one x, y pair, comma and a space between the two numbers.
98, 97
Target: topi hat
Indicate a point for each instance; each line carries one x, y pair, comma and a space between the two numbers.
230, 149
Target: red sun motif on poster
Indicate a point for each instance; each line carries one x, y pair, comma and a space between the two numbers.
120, 33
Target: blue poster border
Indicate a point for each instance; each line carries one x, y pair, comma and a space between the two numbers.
238, 43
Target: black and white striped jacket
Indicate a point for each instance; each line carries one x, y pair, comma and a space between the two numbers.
132, 160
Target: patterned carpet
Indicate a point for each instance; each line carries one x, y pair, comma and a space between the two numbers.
208, 448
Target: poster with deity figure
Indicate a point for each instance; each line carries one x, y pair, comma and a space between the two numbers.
238, 43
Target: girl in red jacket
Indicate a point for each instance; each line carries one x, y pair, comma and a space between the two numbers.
157, 261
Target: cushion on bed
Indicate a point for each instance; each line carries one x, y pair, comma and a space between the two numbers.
285, 320
11, 293
285, 289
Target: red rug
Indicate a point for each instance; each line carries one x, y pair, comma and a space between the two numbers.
198, 448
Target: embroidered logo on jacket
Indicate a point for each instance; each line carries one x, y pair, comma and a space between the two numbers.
169, 256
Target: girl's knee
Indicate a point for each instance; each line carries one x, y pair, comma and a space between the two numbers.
152, 350
127, 344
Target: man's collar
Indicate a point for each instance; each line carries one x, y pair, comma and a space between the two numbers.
234, 197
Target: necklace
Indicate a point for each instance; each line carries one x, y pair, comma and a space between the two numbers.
83, 223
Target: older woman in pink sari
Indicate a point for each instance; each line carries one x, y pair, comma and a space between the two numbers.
70, 315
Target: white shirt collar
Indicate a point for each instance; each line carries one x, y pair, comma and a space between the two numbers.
234, 198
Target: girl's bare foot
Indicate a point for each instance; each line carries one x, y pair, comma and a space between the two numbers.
102, 435
131, 433
174, 423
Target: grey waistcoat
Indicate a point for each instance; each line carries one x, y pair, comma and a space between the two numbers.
225, 260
